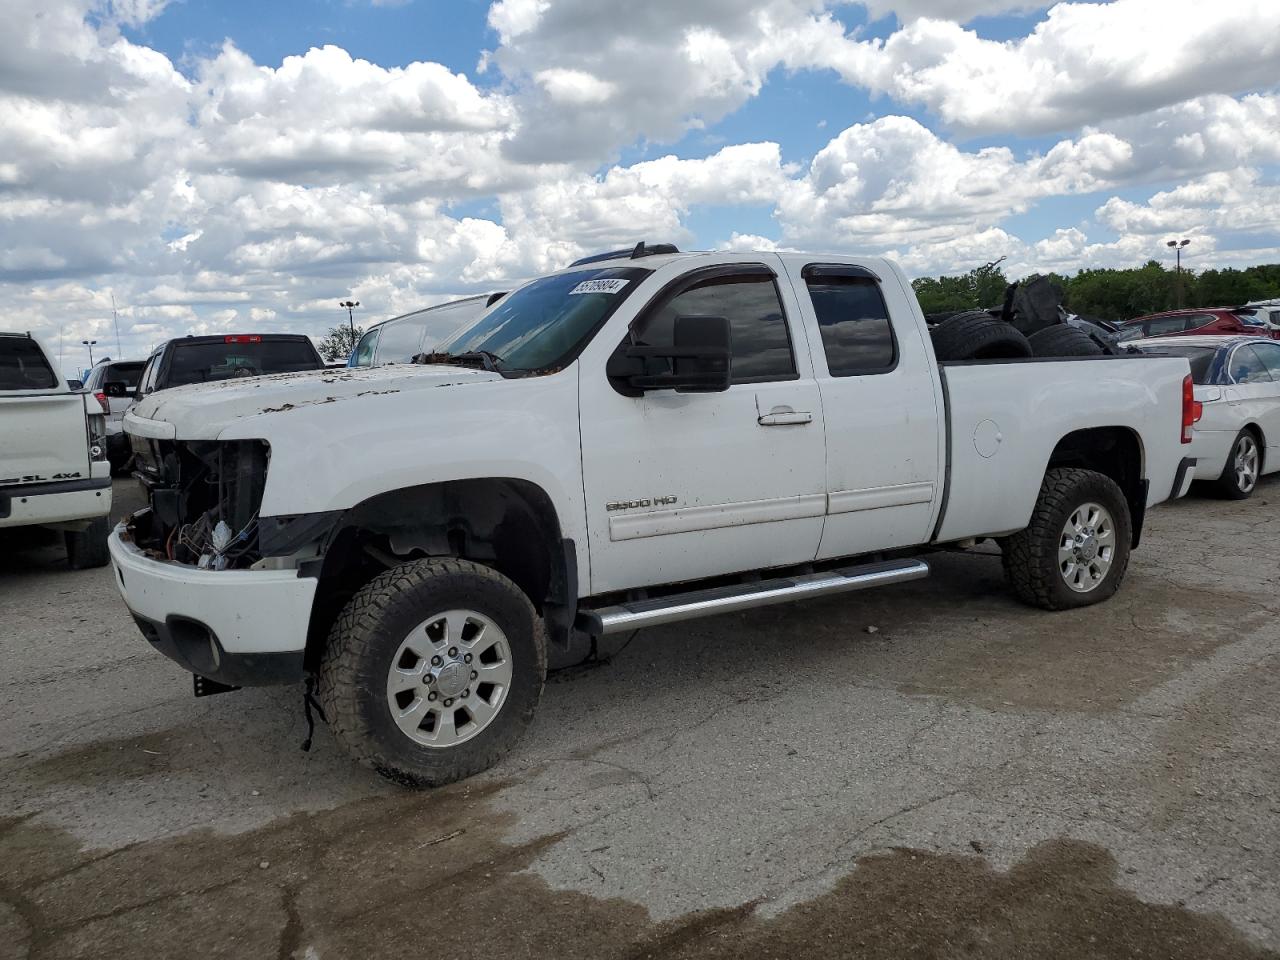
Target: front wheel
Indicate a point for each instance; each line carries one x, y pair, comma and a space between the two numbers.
433, 670
1240, 475
1076, 548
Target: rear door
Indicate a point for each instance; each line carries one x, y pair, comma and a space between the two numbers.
880, 403
42, 424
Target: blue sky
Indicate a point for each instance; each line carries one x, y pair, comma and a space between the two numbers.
225, 165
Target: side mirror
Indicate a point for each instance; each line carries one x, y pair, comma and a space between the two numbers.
116, 388
699, 360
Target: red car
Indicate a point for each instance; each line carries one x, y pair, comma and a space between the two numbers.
1202, 321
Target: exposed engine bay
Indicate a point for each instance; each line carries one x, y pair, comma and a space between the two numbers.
205, 496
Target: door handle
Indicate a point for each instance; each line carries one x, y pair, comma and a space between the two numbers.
782, 416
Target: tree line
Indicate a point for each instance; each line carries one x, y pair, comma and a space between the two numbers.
1110, 294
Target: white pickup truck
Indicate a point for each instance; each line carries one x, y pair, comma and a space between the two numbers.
632, 441
53, 453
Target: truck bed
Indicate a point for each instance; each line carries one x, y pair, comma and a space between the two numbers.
1006, 417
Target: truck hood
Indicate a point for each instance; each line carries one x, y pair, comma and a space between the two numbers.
202, 411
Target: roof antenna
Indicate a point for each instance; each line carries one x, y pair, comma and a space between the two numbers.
116, 318
638, 252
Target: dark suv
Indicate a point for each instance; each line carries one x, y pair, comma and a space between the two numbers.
185, 360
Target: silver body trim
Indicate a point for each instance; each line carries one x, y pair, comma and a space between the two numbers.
702, 603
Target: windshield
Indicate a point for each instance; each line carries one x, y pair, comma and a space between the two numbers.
238, 357
545, 324
1201, 358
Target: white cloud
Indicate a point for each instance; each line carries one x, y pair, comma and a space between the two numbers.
1082, 63
574, 87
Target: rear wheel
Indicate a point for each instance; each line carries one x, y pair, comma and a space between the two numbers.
87, 548
1075, 550
433, 671
976, 335
1244, 464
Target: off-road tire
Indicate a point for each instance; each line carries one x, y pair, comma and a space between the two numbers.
1063, 340
365, 638
1030, 557
1227, 485
976, 335
87, 548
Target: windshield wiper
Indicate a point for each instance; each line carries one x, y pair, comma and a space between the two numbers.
471, 358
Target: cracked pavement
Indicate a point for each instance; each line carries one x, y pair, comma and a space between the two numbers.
974, 776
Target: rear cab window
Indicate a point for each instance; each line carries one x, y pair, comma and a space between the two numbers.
129, 373
23, 365
853, 320
237, 356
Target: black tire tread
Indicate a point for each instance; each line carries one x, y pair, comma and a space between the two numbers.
339, 671
87, 548
1029, 556
976, 335
1063, 340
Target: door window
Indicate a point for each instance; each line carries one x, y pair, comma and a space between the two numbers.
148, 382
401, 340
364, 349
854, 322
759, 342
1247, 367
1269, 354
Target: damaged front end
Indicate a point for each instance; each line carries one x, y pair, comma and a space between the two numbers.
205, 497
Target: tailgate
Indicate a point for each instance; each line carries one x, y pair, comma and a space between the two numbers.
43, 436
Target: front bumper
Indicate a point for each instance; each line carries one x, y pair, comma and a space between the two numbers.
58, 501
241, 627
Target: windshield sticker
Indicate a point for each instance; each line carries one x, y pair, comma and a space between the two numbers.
599, 286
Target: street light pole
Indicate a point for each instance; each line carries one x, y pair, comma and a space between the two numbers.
1177, 246
351, 305
89, 344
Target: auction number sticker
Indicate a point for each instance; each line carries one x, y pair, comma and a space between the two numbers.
599, 286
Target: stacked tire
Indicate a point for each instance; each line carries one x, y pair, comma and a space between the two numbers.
977, 335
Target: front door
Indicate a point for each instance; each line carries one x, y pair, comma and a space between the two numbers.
681, 486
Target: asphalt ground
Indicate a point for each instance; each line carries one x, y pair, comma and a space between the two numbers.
927, 770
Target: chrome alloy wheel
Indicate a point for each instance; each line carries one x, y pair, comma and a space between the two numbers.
1244, 463
449, 678
1087, 547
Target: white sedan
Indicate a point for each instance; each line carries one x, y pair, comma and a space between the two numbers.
1237, 379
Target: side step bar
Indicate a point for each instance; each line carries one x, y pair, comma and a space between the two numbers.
744, 596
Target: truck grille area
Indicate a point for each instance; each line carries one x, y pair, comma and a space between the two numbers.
205, 496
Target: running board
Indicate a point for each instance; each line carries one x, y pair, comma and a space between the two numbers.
744, 596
